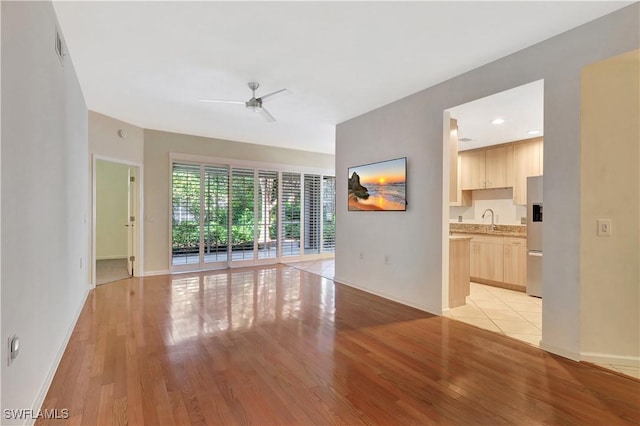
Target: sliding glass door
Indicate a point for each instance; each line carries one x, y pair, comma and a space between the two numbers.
216, 219
328, 214
267, 214
312, 214
186, 196
242, 214
226, 216
290, 215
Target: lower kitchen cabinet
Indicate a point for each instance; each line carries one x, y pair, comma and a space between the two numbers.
515, 261
499, 261
487, 260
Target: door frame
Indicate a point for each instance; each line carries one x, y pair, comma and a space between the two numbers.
138, 241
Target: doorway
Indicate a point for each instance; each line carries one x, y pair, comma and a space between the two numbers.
491, 148
115, 224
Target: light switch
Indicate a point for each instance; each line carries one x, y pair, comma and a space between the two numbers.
604, 227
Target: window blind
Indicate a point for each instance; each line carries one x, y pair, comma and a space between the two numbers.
267, 209
328, 214
242, 214
185, 214
312, 214
216, 219
290, 218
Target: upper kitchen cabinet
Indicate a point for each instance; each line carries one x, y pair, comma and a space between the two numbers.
499, 167
473, 169
528, 162
487, 168
457, 197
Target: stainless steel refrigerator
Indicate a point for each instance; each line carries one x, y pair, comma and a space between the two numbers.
534, 236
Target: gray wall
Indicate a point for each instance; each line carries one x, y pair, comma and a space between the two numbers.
157, 147
45, 191
413, 127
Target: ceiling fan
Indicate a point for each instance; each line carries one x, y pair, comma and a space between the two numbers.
254, 104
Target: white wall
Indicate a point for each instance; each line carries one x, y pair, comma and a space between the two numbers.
413, 127
104, 141
158, 145
610, 298
1, 357
112, 209
44, 201
499, 200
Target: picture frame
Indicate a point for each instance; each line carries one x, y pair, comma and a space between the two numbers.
380, 186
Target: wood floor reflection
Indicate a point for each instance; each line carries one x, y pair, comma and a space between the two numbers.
277, 345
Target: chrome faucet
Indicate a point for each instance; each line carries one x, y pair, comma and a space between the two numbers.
493, 225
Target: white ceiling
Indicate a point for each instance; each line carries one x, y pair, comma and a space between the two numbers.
521, 108
148, 63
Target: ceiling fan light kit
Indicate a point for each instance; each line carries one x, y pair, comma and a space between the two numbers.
254, 104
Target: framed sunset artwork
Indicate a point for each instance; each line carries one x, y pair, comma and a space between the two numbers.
378, 186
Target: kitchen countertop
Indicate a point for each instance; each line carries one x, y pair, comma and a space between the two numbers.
501, 230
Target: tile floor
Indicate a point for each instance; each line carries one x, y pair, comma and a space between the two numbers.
508, 312
323, 267
108, 271
514, 314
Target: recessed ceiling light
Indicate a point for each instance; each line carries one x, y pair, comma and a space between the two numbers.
498, 121
533, 132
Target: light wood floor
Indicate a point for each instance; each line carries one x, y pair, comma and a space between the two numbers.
277, 345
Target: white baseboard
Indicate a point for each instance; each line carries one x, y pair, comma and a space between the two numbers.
575, 356
154, 273
426, 308
37, 404
631, 361
111, 257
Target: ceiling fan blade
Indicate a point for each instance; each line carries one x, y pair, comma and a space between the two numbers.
266, 115
272, 94
222, 101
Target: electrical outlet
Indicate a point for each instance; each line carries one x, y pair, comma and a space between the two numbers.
604, 227
387, 259
361, 255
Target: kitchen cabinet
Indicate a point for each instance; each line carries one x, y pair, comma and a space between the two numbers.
487, 258
487, 168
498, 261
453, 160
515, 262
528, 161
461, 198
499, 167
457, 197
458, 270
473, 169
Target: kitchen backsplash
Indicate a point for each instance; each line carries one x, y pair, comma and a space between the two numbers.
499, 200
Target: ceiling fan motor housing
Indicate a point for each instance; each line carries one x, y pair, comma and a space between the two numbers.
254, 104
